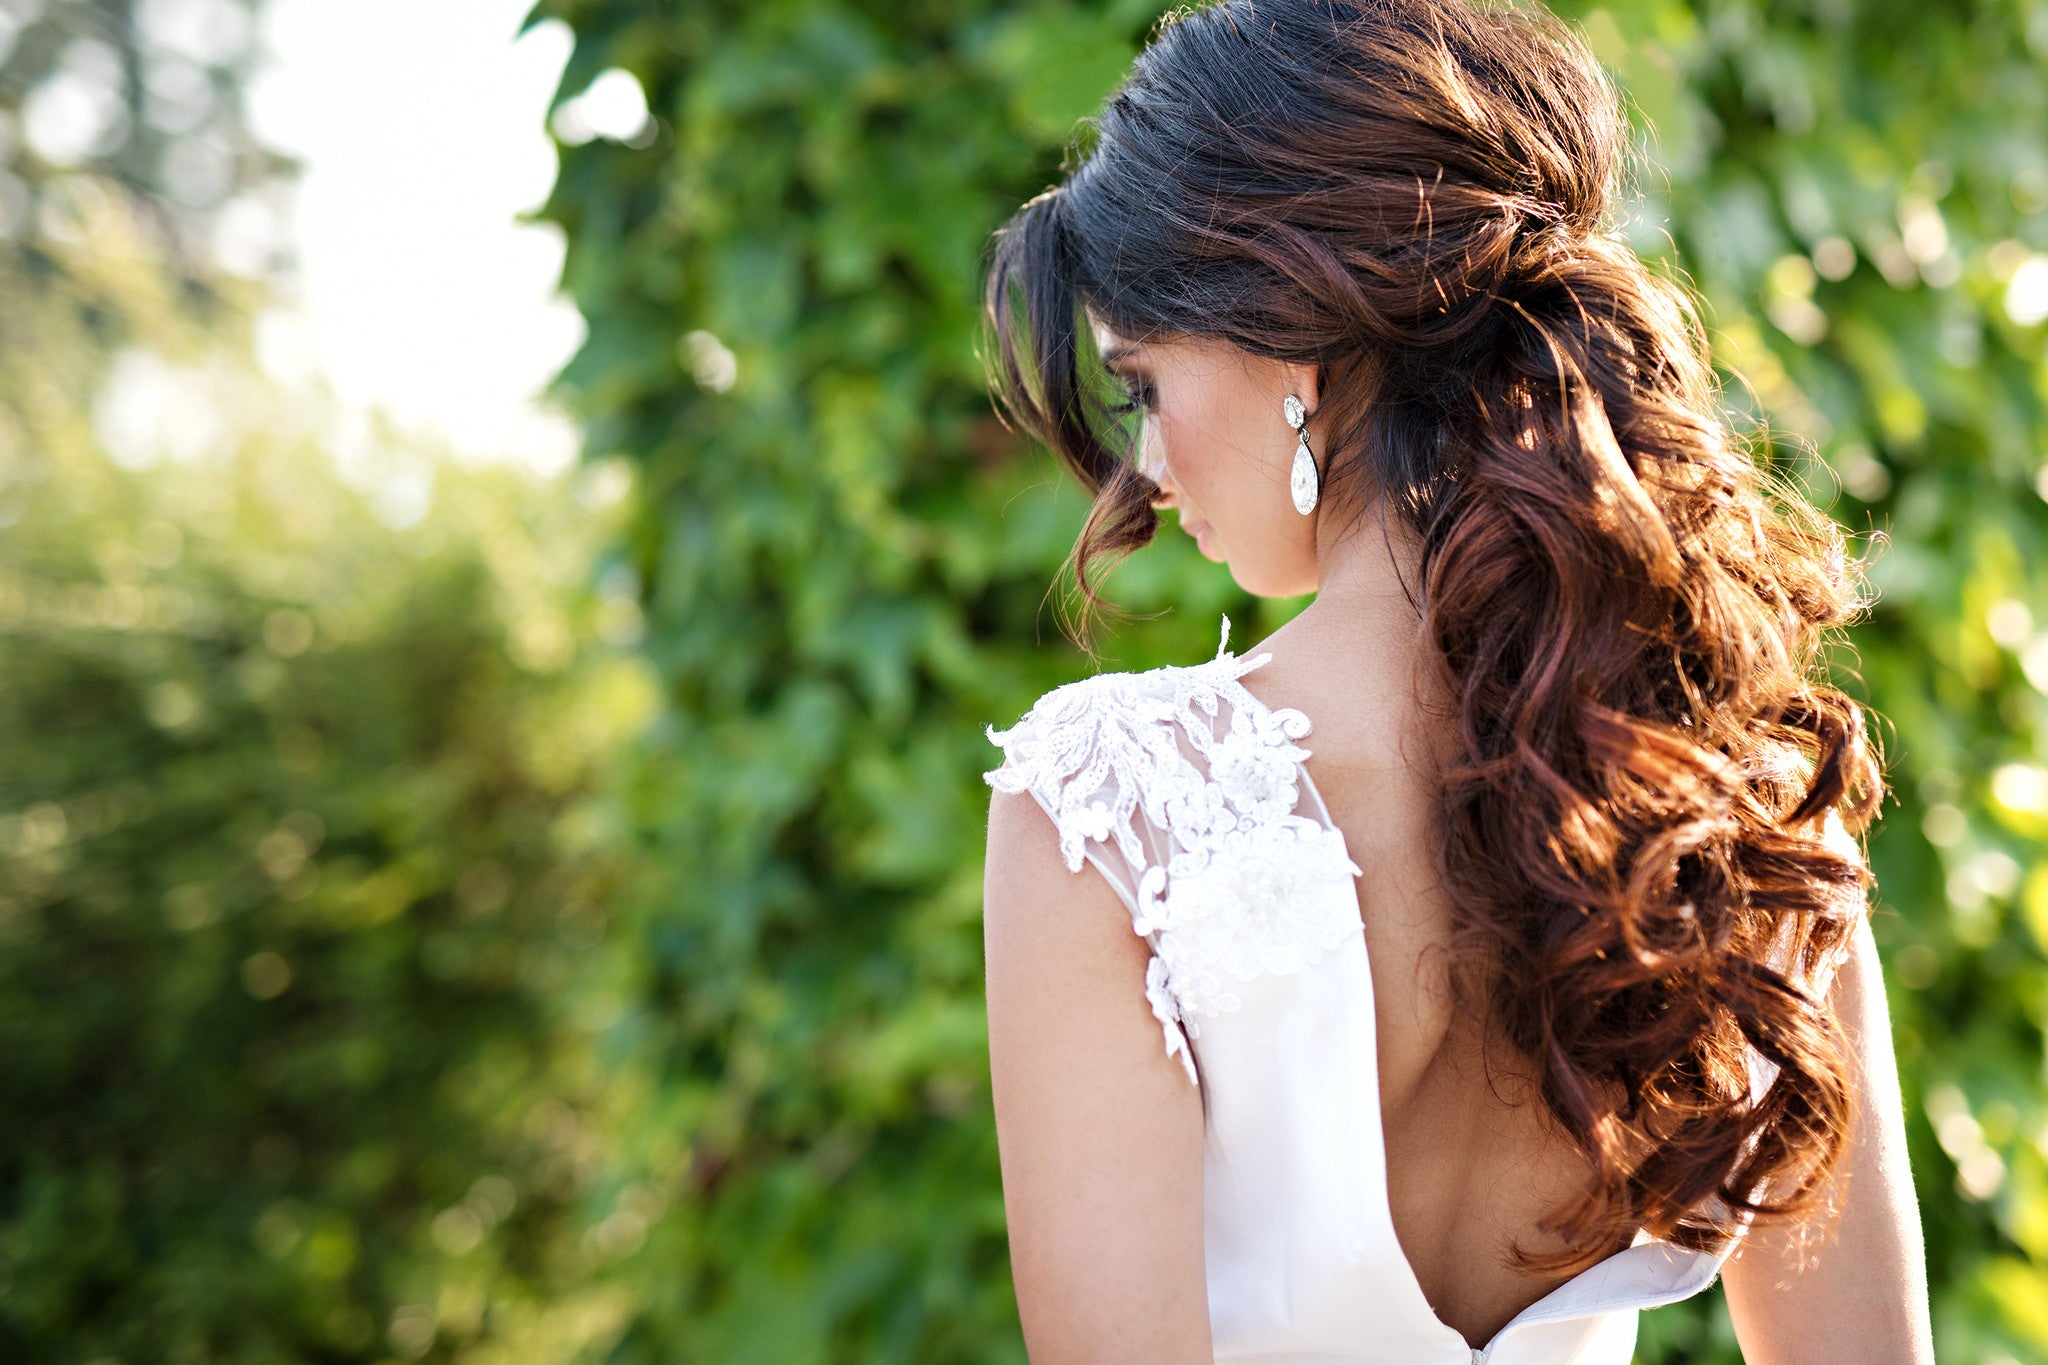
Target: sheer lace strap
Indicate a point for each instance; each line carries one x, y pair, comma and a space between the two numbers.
1180, 787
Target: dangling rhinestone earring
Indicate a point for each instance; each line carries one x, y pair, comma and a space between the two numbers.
1307, 479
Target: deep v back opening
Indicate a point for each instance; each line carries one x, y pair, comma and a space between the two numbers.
1532, 1312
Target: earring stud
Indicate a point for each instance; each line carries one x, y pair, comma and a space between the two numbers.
1306, 480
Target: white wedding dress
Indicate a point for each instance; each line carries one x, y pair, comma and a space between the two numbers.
1190, 796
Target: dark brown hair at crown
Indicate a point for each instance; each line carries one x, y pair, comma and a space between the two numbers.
1411, 195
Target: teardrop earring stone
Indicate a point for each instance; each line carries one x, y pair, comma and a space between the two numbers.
1307, 483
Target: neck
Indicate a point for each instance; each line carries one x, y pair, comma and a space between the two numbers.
1369, 580
1363, 630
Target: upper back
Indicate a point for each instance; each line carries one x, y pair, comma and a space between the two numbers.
1475, 1163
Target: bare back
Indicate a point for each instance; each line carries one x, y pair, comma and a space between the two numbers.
1474, 1163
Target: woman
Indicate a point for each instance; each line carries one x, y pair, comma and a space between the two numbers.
1501, 962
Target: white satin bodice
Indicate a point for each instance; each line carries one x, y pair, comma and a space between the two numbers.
1190, 796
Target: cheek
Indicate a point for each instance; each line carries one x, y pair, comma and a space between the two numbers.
1219, 463
1233, 475
1204, 453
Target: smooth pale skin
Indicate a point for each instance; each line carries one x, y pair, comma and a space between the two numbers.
1100, 1132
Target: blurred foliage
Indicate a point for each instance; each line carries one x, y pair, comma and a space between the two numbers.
143, 97
300, 866
843, 563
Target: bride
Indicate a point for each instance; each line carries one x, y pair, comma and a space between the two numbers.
1486, 958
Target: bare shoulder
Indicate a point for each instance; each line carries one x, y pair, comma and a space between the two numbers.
1369, 691
1037, 913
1099, 1132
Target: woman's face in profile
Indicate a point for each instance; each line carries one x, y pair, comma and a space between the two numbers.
1217, 443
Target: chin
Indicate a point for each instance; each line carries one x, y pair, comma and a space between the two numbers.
1263, 584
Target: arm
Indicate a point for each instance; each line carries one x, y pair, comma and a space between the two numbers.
1100, 1133
1863, 1296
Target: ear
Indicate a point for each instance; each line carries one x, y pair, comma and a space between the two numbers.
1304, 382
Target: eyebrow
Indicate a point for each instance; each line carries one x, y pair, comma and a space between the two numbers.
1119, 353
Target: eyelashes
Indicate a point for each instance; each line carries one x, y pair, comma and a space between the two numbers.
1139, 396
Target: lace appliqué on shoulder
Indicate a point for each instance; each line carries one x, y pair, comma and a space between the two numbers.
1221, 875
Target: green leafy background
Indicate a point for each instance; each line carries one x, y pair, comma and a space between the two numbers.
544, 926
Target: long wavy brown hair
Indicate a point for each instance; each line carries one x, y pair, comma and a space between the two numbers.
1414, 195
